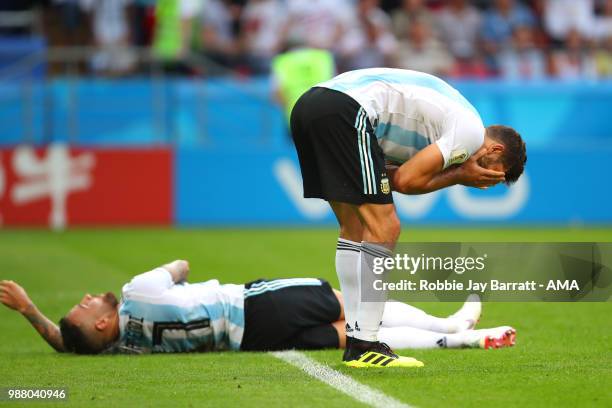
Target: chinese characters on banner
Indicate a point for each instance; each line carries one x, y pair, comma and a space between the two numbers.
60, 186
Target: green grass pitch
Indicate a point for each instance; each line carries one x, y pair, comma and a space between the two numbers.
563, 355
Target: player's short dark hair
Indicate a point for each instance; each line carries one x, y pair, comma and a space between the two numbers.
515, 155
75, 340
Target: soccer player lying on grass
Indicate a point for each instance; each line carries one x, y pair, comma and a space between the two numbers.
161, 312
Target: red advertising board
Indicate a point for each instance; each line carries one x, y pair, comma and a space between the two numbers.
60, 186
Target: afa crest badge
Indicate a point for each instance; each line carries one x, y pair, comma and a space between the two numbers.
458, 156
385, 187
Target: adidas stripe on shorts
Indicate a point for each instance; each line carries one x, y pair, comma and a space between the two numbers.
339, 154
284, 314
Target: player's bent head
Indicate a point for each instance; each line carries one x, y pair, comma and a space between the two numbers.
88, 326
511, 157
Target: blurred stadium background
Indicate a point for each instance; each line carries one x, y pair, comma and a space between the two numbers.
173, 112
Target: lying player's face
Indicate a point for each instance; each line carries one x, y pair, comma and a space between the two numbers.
93, 306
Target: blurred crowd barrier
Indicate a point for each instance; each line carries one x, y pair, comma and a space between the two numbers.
77, 151
243, 115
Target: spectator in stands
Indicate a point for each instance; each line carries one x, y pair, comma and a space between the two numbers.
575, 61
71, 16
262, 25
111, 36
473, 68
140, 17
296, 71
317, 23
538, 7
368, 42
421, 51
459, 25
19, 17
410, 11
500, 21
564, 16
173, 33
603, 22
603, 58
541, 37
220, 34
521, 59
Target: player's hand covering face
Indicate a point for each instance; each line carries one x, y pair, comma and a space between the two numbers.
481, 172
14, 296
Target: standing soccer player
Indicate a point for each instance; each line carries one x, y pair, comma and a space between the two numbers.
366, 132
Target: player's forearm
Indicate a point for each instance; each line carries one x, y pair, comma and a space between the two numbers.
179, 270
45, 327
423, 173
446, 178
405, 184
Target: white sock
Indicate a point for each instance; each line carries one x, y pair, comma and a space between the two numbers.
347, 260
469, 314
369, 315
398, 314
409, 337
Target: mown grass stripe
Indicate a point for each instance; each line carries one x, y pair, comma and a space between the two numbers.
339, 381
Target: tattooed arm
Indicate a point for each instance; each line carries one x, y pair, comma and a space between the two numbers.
15, 297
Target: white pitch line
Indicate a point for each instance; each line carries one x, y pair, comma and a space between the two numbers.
339, 381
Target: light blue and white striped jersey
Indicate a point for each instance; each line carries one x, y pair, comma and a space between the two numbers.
410, 110
156, 315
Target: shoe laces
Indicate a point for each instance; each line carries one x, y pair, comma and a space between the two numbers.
385, 349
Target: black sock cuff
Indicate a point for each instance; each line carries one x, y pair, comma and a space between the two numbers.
375, 250
346, 245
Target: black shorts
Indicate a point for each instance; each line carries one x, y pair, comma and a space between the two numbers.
284, 314
339, 155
